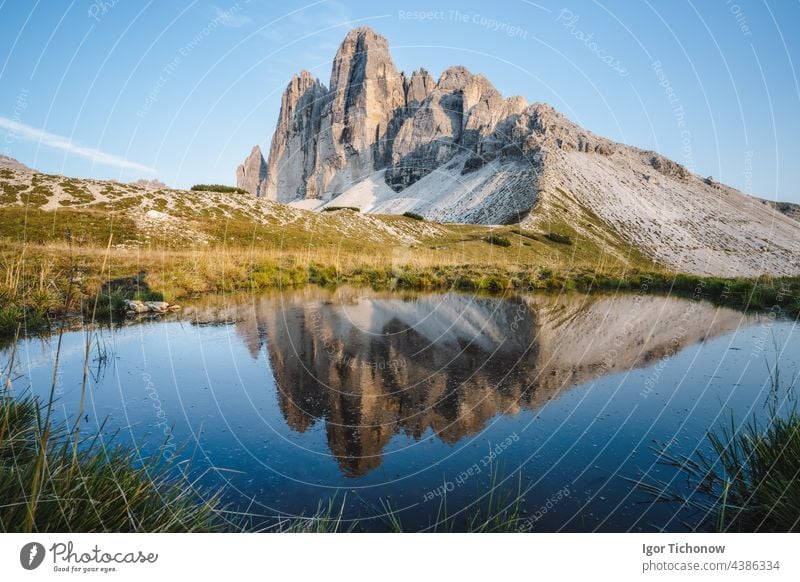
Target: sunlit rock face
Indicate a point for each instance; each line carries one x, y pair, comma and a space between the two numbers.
252, 172
373, 117
455, 150
371, 365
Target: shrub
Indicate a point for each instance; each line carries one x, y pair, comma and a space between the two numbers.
322, 275
525, 233
217, 188
335, 208
559, 238
494, 283
500, 241
413, 215
464, 284
472, 164
105, 305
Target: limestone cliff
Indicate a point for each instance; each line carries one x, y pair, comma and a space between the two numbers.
252, 172
456, 150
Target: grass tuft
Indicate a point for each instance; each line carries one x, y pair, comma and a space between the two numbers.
751, 481
52, 481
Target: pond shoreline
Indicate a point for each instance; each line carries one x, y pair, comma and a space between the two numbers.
778, 296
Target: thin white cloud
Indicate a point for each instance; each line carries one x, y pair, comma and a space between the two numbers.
22, 131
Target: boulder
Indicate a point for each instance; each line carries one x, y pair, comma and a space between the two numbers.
136, 306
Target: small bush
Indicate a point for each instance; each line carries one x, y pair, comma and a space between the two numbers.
218, 188
10, 317
105, 305
494, 283
335, 208
413, 215
472, 164
500, 241
322, 275
559, 238
464, 284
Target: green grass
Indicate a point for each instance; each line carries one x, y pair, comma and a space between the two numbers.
84, 226
751, 480
52, 481
35, 287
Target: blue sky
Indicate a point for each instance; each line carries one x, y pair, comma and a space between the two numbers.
180, 91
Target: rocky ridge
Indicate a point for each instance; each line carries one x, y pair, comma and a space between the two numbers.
11, 163
455, 150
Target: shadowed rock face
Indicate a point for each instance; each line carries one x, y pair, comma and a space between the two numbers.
370, 365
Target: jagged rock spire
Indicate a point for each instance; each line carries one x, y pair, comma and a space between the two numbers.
252, 172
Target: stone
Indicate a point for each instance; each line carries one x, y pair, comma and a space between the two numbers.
136, 306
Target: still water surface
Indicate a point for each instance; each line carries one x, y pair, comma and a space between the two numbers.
291, 399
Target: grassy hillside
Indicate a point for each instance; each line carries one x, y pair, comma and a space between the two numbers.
65, 241
39, 209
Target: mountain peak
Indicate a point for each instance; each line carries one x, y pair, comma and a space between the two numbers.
454, 78
252, 172
362, 56
303, 79
366, 37
456, 150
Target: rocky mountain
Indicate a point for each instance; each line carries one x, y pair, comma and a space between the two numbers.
455, 150
788, 208
11, 163
251, 174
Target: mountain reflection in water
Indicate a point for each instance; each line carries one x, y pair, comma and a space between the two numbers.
370, 365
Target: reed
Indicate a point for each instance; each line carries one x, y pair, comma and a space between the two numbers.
751, 480
53, 481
